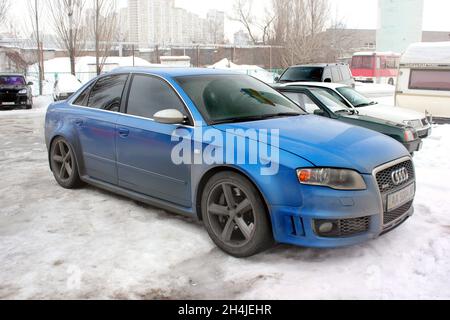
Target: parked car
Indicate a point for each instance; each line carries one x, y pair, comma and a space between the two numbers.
65, 86
15, 92
371, 108
326, 72
328, 184
424, 80
321, 102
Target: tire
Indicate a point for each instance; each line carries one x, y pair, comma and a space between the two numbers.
235, 216
64, 165
29, 107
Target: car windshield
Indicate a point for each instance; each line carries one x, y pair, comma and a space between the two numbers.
12, 81
355, 98
236, 98
330, 101
302, 74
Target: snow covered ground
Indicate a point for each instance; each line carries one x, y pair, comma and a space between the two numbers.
87, 243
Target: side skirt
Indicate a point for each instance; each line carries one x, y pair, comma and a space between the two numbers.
167, 206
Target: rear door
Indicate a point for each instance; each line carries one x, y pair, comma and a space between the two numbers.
96, 125
144, 147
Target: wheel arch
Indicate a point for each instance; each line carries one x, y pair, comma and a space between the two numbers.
212, 172
77, 158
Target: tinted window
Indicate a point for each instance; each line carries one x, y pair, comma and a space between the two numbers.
82, 99
149, 95
12, 81
234, 98
107, 93
303, 101
430, 80
313, 74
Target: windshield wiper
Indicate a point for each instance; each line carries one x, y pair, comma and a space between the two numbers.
366, 104
257, 118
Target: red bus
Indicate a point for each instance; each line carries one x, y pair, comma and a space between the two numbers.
375, 67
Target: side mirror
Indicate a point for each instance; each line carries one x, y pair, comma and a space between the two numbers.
169, 116
328, 80
277, 79
320, 112
30, 83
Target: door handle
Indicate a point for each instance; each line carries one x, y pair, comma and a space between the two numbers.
124, 132
79, 122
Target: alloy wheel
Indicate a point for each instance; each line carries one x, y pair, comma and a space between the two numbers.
231, 214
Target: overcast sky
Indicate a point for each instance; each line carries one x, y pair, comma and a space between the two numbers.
360, 14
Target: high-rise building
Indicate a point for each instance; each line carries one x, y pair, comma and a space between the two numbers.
159, 22
400, 23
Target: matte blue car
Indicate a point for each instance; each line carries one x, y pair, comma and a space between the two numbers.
321, 183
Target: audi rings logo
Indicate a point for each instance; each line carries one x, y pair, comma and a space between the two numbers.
400, 176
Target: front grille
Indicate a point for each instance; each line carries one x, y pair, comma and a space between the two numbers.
344, 228
397, 213
384, 178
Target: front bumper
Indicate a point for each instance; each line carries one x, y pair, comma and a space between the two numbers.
14, 101
298, 225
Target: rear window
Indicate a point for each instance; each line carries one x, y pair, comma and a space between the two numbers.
430, 80
12, 81
302, 74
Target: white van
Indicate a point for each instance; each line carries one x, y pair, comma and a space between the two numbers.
424, 79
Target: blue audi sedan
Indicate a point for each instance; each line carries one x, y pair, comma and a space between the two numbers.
232, 152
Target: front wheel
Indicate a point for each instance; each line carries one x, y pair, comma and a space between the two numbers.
64, 164
235, 217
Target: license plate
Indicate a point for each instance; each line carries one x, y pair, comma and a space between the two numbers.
8, 103
401, 197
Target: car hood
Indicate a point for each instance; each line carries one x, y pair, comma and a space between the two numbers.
391, 113
329, 143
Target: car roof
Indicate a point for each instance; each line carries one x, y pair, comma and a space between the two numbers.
328, 85
320, 65
173, 72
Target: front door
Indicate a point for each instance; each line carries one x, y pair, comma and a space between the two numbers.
144, 147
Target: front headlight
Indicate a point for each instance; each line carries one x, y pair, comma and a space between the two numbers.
23, 91
339, 179
410, 135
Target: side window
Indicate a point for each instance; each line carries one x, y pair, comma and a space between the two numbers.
107, 93
82, 99
149, 95
303, 101
336, 74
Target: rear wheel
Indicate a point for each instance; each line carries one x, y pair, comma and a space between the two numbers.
235, 216
64, 165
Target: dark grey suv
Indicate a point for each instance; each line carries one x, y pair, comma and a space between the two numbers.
325, 72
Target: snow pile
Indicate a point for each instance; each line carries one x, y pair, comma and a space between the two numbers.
427, 52
251, 70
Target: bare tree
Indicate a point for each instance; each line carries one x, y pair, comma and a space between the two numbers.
258, 29
67, 16
299, 26
35, 9
4, 8
104, 30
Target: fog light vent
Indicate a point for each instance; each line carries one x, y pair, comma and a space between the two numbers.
341, 228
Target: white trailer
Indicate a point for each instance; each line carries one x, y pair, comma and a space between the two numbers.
424, 79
